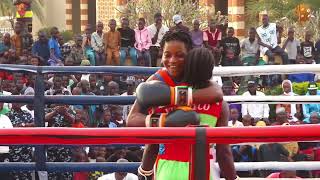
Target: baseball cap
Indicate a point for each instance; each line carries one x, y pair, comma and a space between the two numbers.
251, 81
312, 86
177, 19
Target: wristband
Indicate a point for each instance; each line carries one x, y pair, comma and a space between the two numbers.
181, 96
144, 172
156, 120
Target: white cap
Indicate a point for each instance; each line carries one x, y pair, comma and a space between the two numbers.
177, 19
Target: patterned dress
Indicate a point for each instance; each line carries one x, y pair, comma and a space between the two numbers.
20, 153
58, 153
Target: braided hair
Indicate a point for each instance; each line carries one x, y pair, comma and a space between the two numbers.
199, 64
181, 36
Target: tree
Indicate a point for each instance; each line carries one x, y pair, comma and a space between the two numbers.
8, 9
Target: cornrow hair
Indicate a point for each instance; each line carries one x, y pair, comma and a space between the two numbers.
181, 36
199, 64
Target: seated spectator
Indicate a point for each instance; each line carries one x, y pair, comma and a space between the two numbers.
117, 117
143, 43
230, 42
86, 45
113, 89
106, 120
230, 59
196, 34
96, 174
112, 41
178, 24
79, 119
256, 111
212, 38
119, 175
157, 31
98, 45
234, 118
250, 49
127, 43
5, 45
245, 153
314, 118
291, 109
308, 109
247, 120
77, 54
301, 77
41, 47
36, 61
307, 48
29, 107
292, 46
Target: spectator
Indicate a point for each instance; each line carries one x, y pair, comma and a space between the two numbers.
292, 110
113, 89
119, 175
245, 153
81, 157
112, 40
143, 43
117, 117
96, 174
20, 118
250, 49
79, 120
29, 108
3, 109
247, 120
308, 109
234, 118
292, 46
16, 39
196, 34
281, 117
106, 121
301, 77
4, 150
211, 38
5, 45
86, 45
93, 85
157, 31
307, 48
314, 118
178, 24
317, 51
35, 61
55, 52
130, 91
268, 41
230, 58
91, 109
65, 48
77, 53
98, 45
230, 42
57, 86
256, 111
127, 43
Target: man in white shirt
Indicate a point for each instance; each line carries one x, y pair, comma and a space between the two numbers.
256, 111
98, 44
119, 175
250, 49
268, 40
130, 91
157, 31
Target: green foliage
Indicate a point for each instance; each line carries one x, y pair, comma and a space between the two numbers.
298, 88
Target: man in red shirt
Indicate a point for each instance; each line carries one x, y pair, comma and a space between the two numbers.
212, 37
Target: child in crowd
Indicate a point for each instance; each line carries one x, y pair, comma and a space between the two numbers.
143, 42
307, 48
112, 41
81, 156
292, 46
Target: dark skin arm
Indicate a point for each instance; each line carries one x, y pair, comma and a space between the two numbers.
200, 96
224, 154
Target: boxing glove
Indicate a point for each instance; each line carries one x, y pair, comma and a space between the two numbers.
157, 93
177, 118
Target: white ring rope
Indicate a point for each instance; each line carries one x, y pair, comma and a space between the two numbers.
273, 99
265, 70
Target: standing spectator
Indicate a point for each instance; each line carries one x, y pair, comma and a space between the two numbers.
308, 109
86, 45
77, 54
230, 42
112, 40
250, 49
234, 118
307, 48
211, 38
127, 43
130, 91
20, 118
317, 53
97, 44
178, 24
157, 31
269, 42
256, 111
292, 46
55, 52
290, 109
196, 34
143, 42
65, 48
16, 39
5, 45
40, 47
106, 119
119, 175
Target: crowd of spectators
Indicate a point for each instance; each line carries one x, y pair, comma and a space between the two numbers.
140, 46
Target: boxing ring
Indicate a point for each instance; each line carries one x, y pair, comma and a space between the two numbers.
198, 137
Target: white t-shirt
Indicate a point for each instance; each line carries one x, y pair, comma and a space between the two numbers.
292, 49
111, 176
24, 108
153, 30
237, 124
126, 108
268, 35
5, 123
